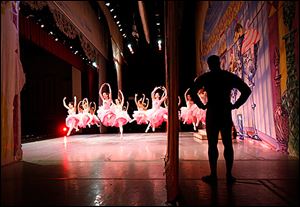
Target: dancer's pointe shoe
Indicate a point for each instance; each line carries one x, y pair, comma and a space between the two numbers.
195, 128
68, 134
76, 129
153, 129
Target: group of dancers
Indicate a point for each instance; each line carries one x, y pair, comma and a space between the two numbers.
115, 114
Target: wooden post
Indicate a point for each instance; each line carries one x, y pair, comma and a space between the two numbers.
172, 26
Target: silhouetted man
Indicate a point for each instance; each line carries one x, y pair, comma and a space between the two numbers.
218, 84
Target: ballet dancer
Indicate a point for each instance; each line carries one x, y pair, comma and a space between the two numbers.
94, 120
140, 115
71, 120
105, 112
187, 113
121, 115
199, 113
157, 114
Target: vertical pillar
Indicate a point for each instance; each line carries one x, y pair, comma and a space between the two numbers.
119, 73
172, 25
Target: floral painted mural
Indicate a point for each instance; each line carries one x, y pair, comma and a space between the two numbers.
257, 40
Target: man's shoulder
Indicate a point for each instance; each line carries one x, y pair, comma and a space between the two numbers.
203, 75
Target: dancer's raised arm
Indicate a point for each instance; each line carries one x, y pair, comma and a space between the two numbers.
185, 95
100, 91
109, 91
127, 106
85, 102
165, 103
75, 100
135, 99
122, 97
153, 92
79, 105
147, 103
164, 95
64, 102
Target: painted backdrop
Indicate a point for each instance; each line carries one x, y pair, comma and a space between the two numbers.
257, 40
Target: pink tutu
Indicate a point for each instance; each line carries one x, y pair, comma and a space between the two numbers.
156, 117
200, 114
186, 115
94, 120
121, 119
72, 121
108, 118
84, 119
140, 117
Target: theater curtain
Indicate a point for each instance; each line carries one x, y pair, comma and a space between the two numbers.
12, 81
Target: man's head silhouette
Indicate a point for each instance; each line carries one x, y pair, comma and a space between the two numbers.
213, 62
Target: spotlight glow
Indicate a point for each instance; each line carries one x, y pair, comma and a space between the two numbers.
95, 64
130, 48
159, 44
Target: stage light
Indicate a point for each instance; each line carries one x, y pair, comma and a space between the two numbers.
157, 23
130, 48
111, 10
121, 30
51, 32
115, 16
56, 39
107, 4
95, 64
118, 22
65, 129
76, 52
42, 26
159, 44
71, 47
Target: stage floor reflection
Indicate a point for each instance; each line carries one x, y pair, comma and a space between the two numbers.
107, 169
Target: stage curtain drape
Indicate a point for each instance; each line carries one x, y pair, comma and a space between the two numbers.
32, 31
12, 82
